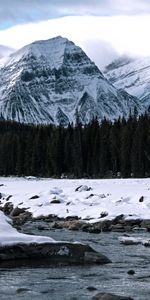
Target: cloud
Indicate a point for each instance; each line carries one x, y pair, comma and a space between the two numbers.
19, 12
102, 38
101, 52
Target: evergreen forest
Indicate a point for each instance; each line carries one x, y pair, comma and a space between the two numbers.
106, 150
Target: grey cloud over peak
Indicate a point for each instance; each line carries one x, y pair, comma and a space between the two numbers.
14, 12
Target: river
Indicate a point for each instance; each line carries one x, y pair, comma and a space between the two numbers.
73, 282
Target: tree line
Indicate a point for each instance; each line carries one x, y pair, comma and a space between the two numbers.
96, 150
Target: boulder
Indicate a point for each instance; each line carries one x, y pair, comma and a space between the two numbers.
60, 253
55, 201
118, 219
7, 199
57, 225
103, 214
8, 207
91, 288
131, 272
146, 224
83, 188
17, 211
73, 225
107, 296
141, 199
117, 228
34, 197
22, 218
71, 218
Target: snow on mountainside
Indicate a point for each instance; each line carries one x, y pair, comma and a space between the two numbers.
4, 51
50, 81
133, 75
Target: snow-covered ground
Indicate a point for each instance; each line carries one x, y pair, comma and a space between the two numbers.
94, 199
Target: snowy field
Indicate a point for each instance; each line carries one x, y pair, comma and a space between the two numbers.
90, 200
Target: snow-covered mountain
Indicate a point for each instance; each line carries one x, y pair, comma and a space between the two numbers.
133, 75
4, 51
53, 81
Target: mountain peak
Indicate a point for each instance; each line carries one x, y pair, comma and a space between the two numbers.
48, 81
51, 50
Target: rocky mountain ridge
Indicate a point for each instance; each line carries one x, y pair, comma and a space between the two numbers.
53, 81
132, 75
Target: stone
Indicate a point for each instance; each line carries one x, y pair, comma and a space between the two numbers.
146, 243
17, 211
49, 219
82, 188
117, 228
97, 227
57, 225
22, 290
8, 207
91, 288
90, 196
107, 296
131, 272
55, 201
139, 229
73, 225
7, 199
94, 229
34, 197
61, 253
71, 218
141, 199
22, 218
106, 225
118, 219
103, 214
146, 224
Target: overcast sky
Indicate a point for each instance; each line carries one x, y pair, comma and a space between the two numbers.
103, 28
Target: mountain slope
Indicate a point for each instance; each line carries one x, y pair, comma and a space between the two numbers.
4, 51
52, 81
133, 75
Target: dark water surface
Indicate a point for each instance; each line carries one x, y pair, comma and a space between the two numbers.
71, 283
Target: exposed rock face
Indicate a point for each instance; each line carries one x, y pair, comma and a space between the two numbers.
54, 81
50, 253
105, 296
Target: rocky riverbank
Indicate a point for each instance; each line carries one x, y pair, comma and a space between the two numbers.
18, 248
20, 216
92, 206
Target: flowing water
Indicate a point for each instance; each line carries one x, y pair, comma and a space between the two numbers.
73, 282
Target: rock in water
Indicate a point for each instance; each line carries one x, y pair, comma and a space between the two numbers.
49, 254
105, 296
